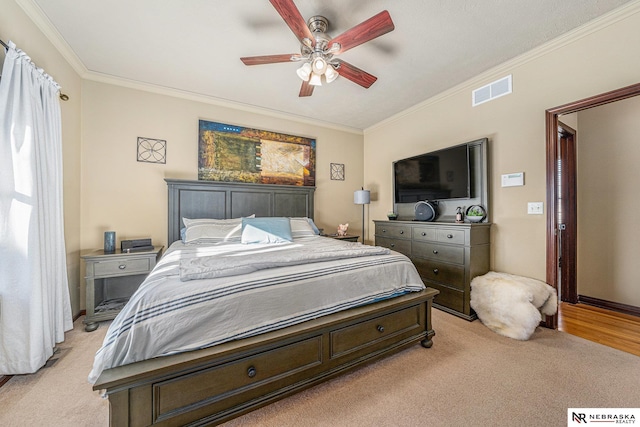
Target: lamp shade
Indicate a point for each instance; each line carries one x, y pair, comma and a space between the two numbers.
316, 79
361, 197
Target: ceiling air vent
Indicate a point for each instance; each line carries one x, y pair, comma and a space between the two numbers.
492, 91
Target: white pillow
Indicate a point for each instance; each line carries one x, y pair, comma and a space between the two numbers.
301, 227
205, 230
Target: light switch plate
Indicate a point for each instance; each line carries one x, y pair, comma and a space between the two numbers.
535, 208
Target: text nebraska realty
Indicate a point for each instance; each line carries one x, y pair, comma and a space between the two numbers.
603, 418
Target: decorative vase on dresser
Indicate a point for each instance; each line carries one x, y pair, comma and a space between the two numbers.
447, 256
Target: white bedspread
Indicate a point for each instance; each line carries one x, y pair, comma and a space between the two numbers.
168, 316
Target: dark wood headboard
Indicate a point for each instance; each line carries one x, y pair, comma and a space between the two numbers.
222, 200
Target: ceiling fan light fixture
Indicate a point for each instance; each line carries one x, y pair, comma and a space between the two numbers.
316, 79
304, 72
319, 65
330, 75
317, 49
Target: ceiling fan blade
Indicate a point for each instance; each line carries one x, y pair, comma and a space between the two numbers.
270, 59
306, 89
355, 74
291, 15
370, 29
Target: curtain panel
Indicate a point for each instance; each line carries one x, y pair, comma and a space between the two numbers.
35, 309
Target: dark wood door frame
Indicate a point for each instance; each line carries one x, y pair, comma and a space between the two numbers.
566, 197
552, 148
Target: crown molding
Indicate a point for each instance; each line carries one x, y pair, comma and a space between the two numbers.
211, 100
40, 19
507, 67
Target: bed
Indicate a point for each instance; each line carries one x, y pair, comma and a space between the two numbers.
205, 374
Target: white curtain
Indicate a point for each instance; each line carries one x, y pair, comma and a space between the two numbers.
35, 309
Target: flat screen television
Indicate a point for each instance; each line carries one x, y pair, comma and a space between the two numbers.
439, 175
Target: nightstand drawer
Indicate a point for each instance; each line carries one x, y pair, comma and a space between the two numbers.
122, 267
402, 246
397, 231
452, 275
438, 252
449, 235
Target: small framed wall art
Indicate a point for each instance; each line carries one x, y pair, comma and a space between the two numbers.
152, 150
337, 171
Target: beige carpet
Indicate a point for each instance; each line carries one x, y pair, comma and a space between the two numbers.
470, 376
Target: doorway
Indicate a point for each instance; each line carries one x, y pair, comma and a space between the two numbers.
554, 254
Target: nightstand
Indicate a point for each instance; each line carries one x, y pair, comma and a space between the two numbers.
111, 279
347, 238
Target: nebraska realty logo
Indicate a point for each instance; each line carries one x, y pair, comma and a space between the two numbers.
580, 416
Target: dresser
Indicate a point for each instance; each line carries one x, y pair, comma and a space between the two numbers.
111, 278
447, 256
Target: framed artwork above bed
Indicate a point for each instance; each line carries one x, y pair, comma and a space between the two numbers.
232, 153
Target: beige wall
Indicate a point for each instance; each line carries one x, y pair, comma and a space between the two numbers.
608, 179
130, 197
584, 63
17, 27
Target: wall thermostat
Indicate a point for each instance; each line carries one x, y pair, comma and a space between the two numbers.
513, 179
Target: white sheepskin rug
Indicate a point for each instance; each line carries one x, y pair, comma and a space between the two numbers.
511, 305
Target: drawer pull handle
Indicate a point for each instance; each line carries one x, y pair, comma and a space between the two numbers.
251, 372
435, 271
384, 231
393, 245
423, 233
449, 236
380, 328
122, 266
435, 251
401, 231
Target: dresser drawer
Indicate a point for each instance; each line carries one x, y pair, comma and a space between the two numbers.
122, 267
448, 297
450, 235
438, 252
452, 275
363, 334
260, 373
394, 231
422, 234
402, 246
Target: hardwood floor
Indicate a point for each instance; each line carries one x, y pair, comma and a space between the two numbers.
613, 329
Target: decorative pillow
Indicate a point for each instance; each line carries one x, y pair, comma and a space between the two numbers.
206, 230
266, 230
302, 227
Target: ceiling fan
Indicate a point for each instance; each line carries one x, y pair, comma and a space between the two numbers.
318, 51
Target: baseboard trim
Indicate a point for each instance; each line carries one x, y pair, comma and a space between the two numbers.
4, 379
610, 305
77, 316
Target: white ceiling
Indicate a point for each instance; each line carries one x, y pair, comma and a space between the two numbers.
195, 46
